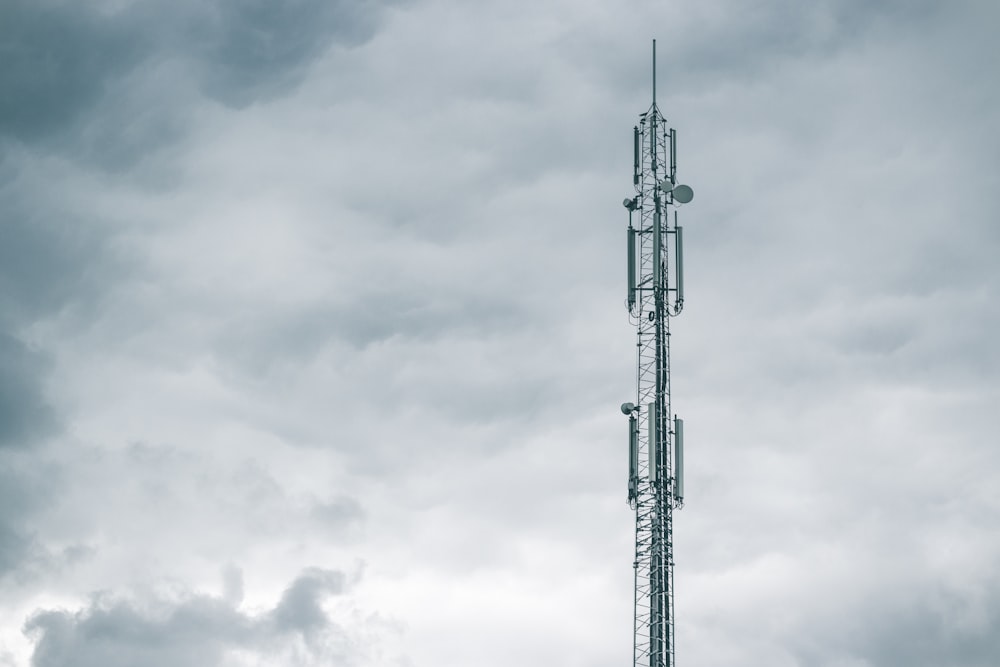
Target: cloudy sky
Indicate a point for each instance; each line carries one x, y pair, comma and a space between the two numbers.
312, 331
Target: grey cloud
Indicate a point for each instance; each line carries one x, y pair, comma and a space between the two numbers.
195, 630
106, 84
372, 317
338, 514
15, 547
198, 498
59, 59
299, 609
51, 263
259, 49
25, 414
928, 636
399, 335
22, 493
232, 585
747, 41
28, 488
12, 548
50, 257
408, 366
928, 626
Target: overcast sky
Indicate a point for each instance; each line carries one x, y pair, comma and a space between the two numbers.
313, 335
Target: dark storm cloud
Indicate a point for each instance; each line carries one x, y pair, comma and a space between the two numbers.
106, 84
25, 415
51, 262
24, 489
51, 256
258, 49
58, 60
14, 540
75, 78
196, 630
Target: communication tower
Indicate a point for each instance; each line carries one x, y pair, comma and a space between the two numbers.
656, 435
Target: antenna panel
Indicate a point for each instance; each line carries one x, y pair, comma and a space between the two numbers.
679, 259
651, 425
657, 250
631, 268
633, 455
635, 153
673, 154
678, 459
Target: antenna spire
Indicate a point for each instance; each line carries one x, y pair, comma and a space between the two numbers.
654, 72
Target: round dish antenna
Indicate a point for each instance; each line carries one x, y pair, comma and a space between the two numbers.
683, 194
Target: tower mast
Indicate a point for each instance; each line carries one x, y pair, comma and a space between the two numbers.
655, 294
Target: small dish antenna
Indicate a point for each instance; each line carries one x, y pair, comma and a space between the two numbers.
683, 194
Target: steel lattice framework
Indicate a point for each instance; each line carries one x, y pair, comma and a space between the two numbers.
655, 486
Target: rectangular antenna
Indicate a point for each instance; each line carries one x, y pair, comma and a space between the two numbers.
657, 250
633, 455
635, 154
631, 268
678, 459
679, 247
673, 155
651, 424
